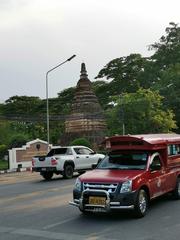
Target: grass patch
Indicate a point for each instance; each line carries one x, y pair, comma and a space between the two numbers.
3, 165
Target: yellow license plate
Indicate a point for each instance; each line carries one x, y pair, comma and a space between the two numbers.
97, 200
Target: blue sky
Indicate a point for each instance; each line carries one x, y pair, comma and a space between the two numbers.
36, 35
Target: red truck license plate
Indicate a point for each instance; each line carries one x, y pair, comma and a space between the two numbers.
97, 200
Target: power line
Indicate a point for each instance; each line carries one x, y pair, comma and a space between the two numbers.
42, 118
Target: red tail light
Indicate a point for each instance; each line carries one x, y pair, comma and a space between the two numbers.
33, 162
54, 161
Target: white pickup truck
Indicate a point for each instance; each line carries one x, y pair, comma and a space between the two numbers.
65, 161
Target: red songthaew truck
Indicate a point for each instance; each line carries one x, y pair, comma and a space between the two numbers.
137, 169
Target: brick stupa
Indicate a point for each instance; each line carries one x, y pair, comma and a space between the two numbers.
87, 118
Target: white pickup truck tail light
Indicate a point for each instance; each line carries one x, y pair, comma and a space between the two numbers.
54, 161
33, 162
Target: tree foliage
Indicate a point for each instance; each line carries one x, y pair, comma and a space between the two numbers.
167, 50
18, 140
167, 59
23, 105
140, 112
125, 73
101, 89
3, 150
81, 142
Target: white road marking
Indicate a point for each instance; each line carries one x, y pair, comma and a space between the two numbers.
43, 234
59, 223
49, 202
23, 196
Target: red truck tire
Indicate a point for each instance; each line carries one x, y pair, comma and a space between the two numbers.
141, 204
176, 192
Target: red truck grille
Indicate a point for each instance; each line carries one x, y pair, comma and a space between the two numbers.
109, 187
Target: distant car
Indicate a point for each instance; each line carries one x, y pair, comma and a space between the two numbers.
65, 161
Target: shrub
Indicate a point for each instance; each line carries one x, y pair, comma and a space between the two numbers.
3, 150
81, 141
18, 140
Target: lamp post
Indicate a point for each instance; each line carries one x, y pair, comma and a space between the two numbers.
47, 97
122, 113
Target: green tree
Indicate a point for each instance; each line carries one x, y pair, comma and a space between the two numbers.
167, 61
167, 50
3, 150
18, 140
101, 89
169, 88
140, 112
57, 130
81, 142
64, 100
22, 105
6, 132
125, 73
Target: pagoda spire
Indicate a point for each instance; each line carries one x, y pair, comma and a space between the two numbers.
83, 71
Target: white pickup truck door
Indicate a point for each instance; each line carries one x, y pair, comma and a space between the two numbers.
84, 158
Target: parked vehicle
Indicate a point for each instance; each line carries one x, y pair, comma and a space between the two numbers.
137, 169
65, 161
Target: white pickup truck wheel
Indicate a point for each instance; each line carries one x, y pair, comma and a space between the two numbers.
68, 171
47, 175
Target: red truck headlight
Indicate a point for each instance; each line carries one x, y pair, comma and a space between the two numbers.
126, 187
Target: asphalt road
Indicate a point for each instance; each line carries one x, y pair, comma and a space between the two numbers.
31, 209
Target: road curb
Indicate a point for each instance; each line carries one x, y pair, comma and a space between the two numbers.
28, 169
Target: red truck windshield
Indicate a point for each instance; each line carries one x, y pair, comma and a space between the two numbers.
124, 161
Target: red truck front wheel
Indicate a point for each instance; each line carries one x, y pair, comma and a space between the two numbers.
141, 205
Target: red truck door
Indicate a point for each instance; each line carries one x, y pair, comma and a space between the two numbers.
157, 176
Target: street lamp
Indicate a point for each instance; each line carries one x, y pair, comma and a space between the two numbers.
47, 98
121, 112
